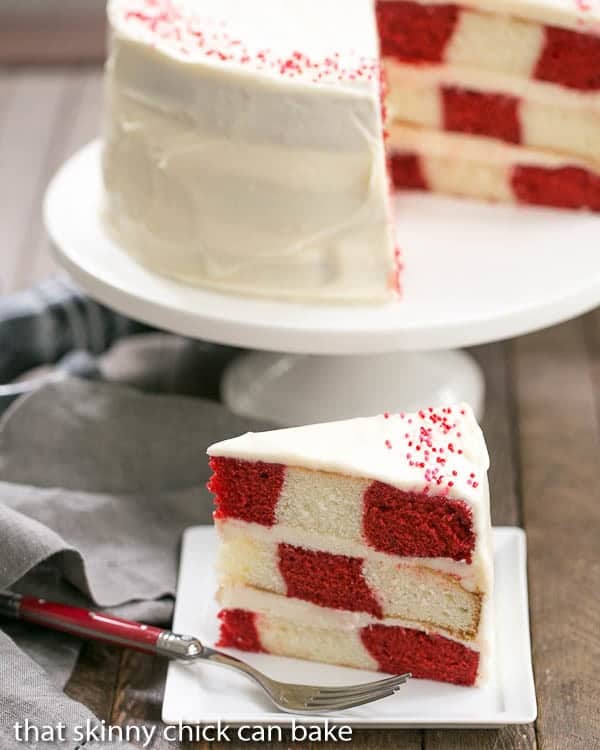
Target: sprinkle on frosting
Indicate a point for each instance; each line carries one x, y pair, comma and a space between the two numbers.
176, 29
428, 443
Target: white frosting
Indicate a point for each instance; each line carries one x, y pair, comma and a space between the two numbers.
442, 451
473, 577
551, 118
235, 596
404, 75
244, 149
578, 15
477, 152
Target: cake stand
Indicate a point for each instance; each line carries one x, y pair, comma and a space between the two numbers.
475, 273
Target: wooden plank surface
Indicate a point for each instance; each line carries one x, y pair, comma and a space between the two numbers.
558, 431
542, 421
52, 31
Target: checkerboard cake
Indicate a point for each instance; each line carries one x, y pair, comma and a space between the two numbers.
251, 147
365, 543
495, 99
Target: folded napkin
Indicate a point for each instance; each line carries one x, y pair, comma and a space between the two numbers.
97, 483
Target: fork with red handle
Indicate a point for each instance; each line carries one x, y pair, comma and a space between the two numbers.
291, 698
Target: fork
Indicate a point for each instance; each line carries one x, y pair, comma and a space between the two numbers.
288, 697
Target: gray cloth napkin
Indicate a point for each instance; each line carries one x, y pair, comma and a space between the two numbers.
97, 484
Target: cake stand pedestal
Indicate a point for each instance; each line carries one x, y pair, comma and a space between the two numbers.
475, 273
295, 389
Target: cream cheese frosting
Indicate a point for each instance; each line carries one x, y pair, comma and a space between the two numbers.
244, 148
440, 448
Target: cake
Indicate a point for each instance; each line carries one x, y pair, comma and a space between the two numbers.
495, 99
244, 146
247, 147
364, 543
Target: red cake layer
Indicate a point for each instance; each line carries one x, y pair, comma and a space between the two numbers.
478, 113
247, 490
396, 650
564, 187
406, 172
417, 525
328, 580
570, 59
238, 630
430, 657
416, 33
401, 523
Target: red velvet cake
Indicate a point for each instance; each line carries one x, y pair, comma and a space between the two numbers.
364, 543
496, 99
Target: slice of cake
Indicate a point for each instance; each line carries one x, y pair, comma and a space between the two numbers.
244, 148
495, 99
365, 543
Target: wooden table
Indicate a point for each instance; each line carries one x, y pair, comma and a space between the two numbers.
542, 423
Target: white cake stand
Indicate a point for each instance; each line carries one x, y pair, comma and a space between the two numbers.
475, 273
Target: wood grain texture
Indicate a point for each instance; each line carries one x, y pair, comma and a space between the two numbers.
7, 248
94, 679
52, 32
138, 696
78, 123
46, 116
558, 440
591, 328
27, 139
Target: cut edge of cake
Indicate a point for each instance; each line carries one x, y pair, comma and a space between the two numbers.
275, 573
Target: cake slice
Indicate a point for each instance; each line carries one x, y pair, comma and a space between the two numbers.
244, 149
522, 75
364, 543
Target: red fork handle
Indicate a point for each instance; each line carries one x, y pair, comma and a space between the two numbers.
83, 622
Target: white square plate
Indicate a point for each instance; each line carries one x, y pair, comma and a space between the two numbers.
204, 693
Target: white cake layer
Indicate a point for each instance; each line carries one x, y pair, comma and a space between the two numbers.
473, 167
569, 14
293, 638
413, 593
474, 576
291, 627
549, 117
234, 164
235, 596
285, 637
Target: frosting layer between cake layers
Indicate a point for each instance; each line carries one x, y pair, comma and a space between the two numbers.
244, 148
563, 121
374, 528
474, 167
520, 73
